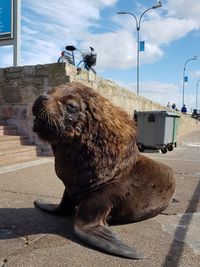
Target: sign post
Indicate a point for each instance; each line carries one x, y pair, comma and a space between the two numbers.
10, 26
17, 32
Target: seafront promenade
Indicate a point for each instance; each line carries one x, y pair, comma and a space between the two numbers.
31, 238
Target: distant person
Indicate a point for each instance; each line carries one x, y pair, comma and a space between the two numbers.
174, 106
168, 105
184, 109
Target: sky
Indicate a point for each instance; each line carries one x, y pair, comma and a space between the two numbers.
171, 34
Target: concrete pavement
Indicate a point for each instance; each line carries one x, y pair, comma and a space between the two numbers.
29, 237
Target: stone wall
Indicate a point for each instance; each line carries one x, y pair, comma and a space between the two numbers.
19, 87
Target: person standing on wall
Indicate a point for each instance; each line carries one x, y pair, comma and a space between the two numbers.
184, 109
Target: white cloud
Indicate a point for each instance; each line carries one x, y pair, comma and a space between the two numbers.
105, 2
152, 53
166, 30
185, 9
115, 49
195, 74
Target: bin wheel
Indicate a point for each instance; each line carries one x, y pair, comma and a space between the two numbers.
140, 147
170, 147
164, 150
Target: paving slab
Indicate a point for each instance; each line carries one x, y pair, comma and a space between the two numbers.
29, 237
39, 180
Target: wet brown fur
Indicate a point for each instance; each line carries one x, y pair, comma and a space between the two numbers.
97, 159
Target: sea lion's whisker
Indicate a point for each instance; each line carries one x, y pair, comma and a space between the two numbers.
43, 113
49, 119
53, 122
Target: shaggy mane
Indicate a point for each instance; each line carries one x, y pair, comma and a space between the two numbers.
112, 120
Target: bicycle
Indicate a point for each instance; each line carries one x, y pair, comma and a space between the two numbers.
88, 59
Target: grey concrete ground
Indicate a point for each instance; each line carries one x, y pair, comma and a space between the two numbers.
29, 237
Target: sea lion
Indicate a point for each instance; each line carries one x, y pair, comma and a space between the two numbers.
106, 179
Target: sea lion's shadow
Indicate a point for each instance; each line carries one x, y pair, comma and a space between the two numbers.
31, 221
25, 222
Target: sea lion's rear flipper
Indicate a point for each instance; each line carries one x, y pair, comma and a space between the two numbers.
90, 227
66, 207
105, 240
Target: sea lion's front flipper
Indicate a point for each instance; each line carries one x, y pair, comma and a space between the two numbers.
90, 227
66, 207
47, 206
105, 240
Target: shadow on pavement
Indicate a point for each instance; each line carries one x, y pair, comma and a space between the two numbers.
24, 222
27, 222
177, 247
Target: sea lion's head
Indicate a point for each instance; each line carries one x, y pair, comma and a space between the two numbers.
74, 111
59, 114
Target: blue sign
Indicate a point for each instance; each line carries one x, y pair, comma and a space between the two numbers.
186, 79
6, 19
142, 45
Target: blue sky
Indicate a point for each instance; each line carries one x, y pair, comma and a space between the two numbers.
171, 34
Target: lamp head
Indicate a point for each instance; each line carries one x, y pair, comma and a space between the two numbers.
121, 13
157, 5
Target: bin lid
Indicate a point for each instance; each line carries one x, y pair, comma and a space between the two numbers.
158, 113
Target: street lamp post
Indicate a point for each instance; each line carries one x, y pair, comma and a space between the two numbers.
193, 58
138, 22
197, 94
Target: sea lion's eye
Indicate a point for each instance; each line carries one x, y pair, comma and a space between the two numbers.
71, 108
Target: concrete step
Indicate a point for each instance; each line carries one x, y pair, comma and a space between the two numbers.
13, 155
15, 148
2, 122
6, 127
8, 130
13, 141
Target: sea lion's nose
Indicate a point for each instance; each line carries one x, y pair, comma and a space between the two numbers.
43, 97
38, 103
